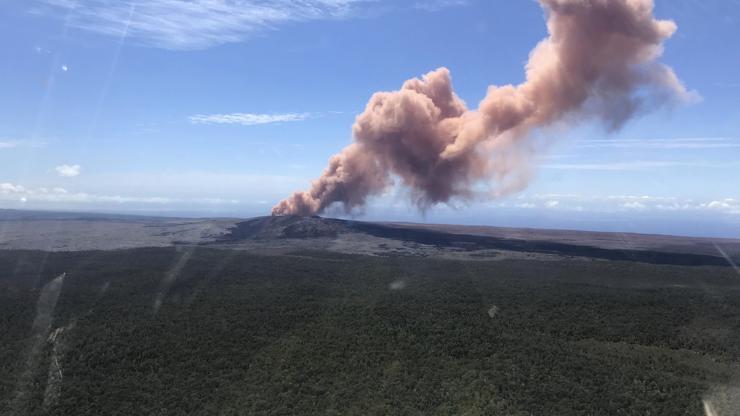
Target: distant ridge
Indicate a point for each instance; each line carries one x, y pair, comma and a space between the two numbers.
71, 231
293, 226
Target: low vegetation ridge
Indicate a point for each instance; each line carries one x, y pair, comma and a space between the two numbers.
193, 330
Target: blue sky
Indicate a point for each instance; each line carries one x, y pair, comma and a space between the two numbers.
223, 108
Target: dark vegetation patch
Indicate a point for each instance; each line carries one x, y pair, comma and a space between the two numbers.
324, 333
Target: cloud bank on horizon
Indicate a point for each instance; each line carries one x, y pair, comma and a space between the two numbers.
599, 62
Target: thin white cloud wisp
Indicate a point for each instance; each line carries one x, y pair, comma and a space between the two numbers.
247, 119
195, 24
68, 171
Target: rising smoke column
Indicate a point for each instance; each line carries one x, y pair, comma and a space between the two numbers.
599, 61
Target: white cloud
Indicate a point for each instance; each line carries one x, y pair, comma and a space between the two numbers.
9, 188
194, 24
13, 192
724, 204
68, 170
717, 204
613, 203
248, 119
634, 205
65, 68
